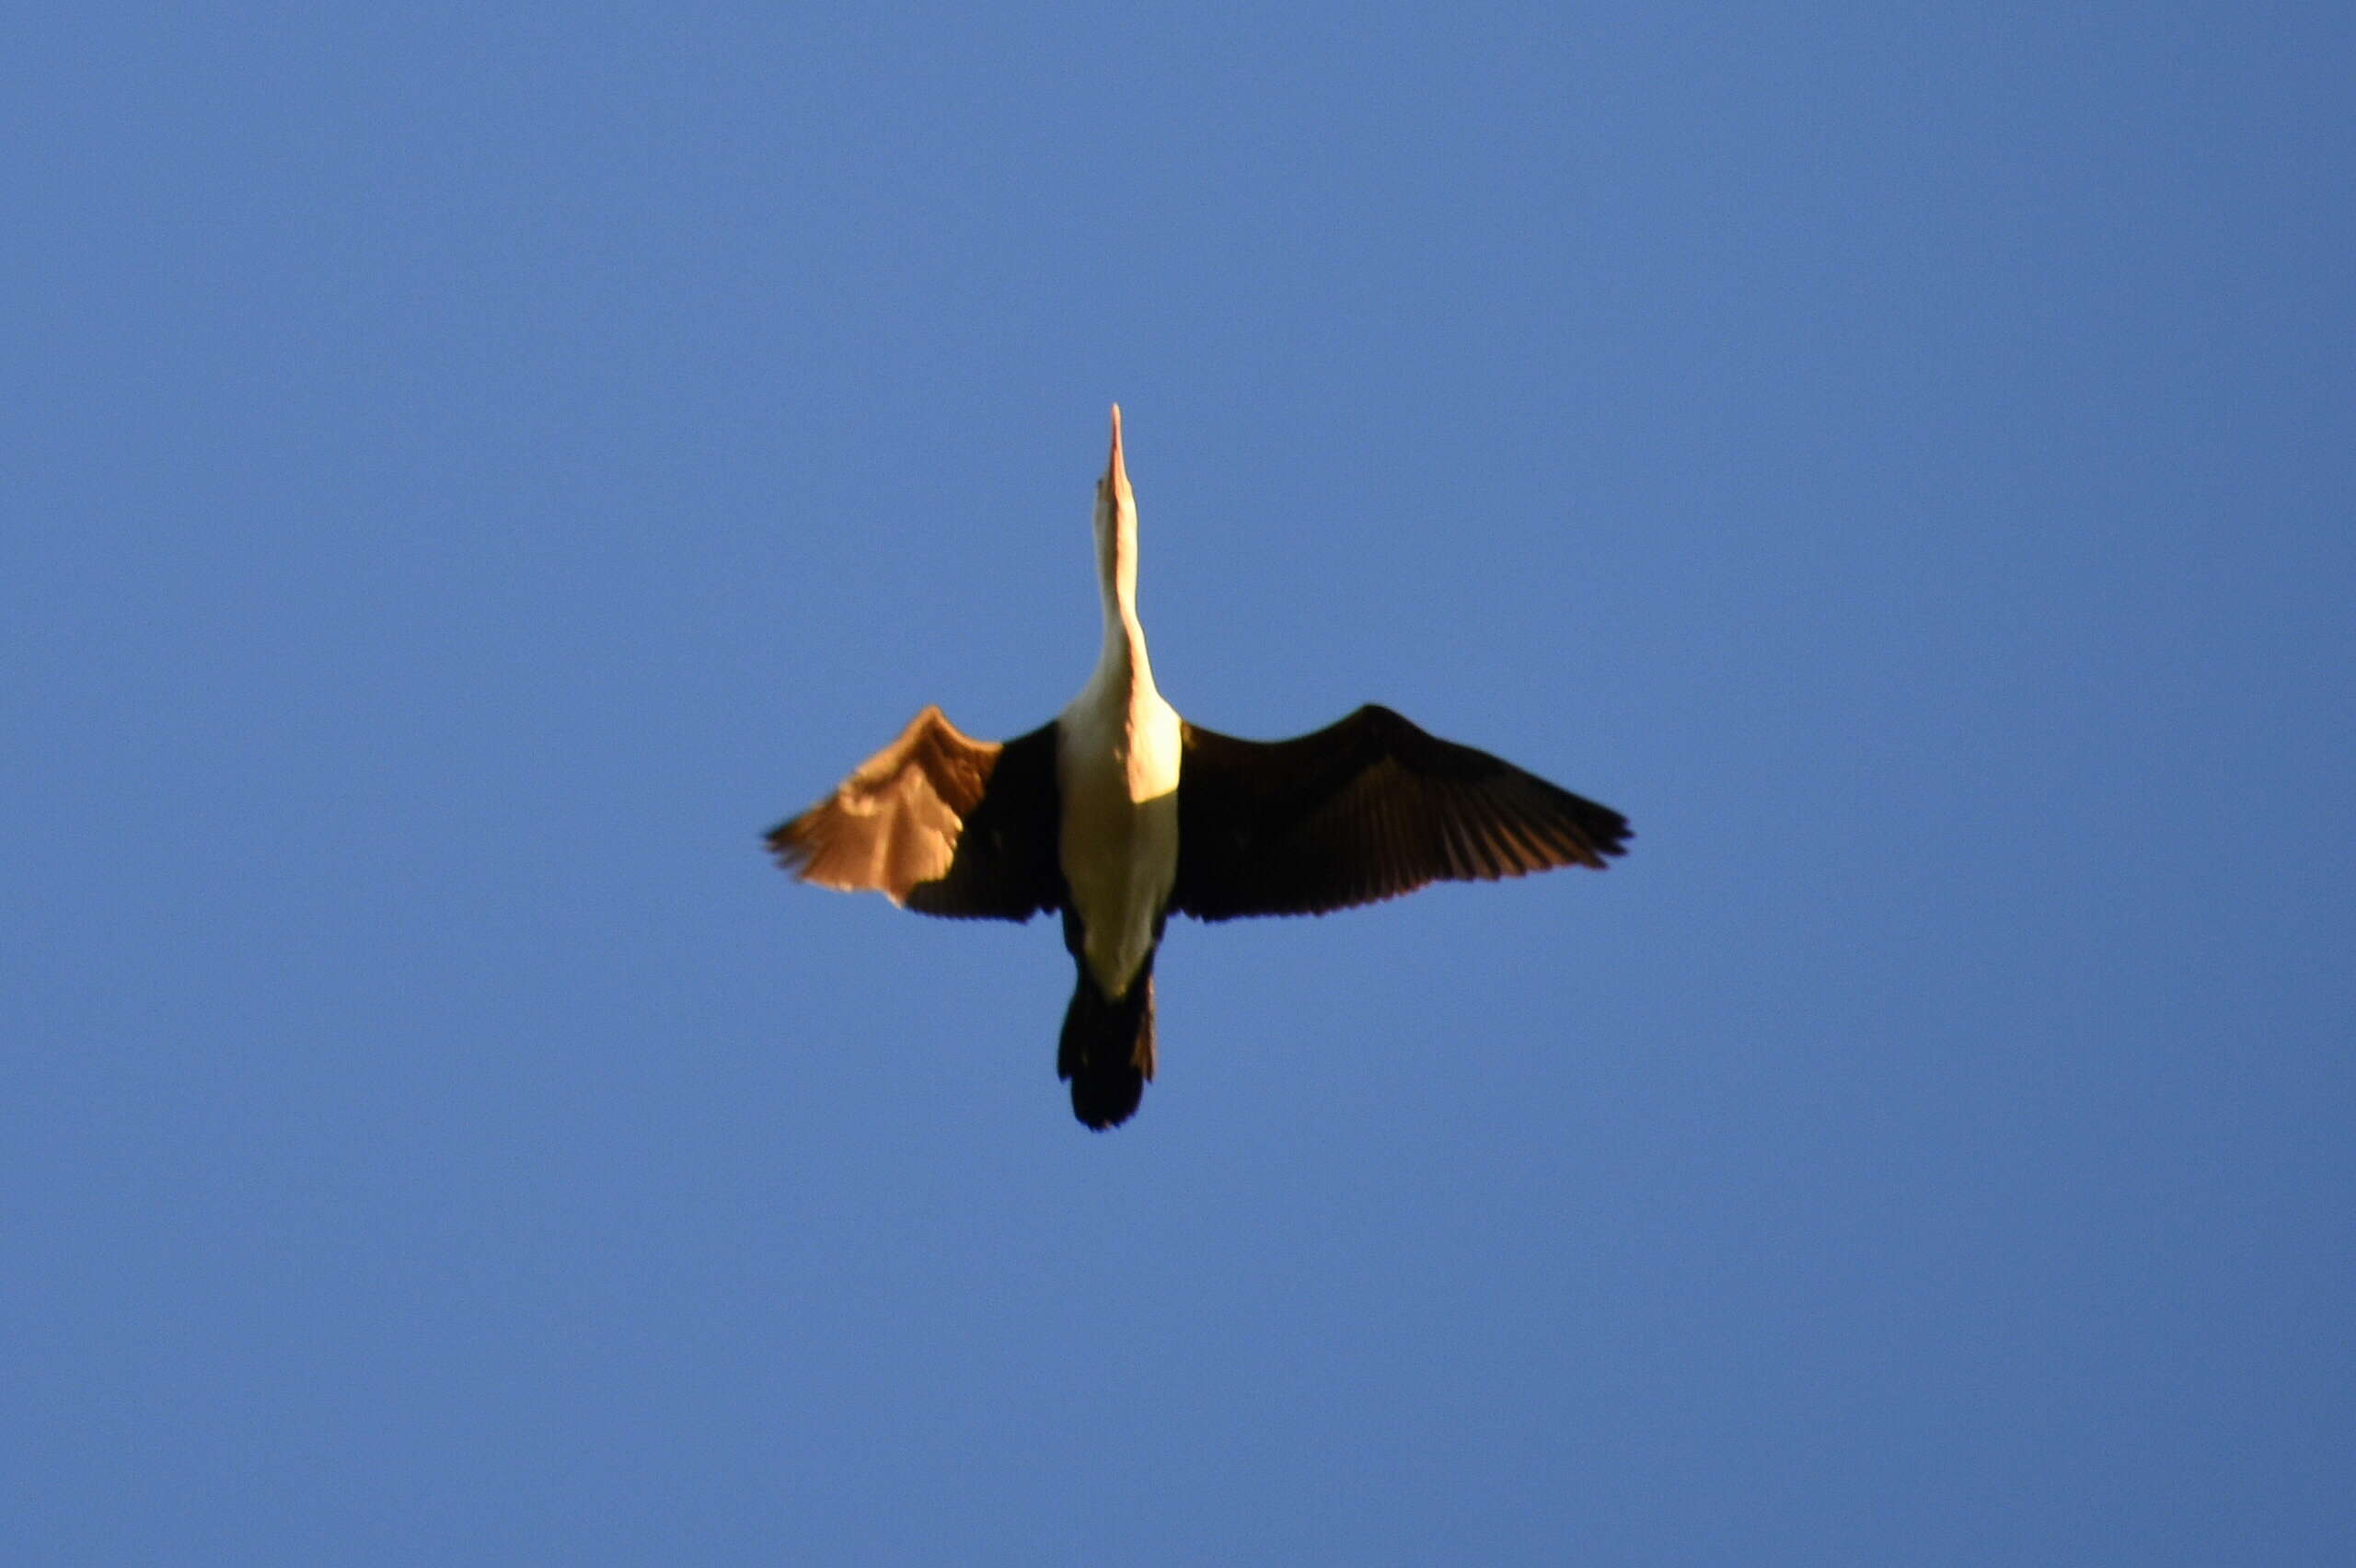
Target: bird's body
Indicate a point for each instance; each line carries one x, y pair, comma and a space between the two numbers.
1119, 811
1118, 775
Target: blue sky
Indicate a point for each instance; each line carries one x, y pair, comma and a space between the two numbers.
466, 475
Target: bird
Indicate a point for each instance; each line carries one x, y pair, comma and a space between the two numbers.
1117, 814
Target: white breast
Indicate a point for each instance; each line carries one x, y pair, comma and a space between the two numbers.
1116, 763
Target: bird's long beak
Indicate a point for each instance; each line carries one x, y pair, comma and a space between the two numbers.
1116, 473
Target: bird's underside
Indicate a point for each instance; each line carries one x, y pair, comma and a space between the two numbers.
1077, 818
1362, 811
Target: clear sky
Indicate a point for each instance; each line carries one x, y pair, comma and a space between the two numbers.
466, 472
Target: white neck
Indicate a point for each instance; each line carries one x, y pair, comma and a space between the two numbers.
1122, 665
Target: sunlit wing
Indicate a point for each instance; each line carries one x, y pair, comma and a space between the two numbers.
939, 822
1365, 809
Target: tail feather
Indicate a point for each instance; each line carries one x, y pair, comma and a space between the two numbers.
1107, 1050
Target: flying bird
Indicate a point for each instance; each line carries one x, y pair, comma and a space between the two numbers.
1117, 814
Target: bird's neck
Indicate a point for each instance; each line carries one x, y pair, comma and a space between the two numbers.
1122, 665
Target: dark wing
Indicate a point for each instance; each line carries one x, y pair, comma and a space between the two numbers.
941, 822
1364, 810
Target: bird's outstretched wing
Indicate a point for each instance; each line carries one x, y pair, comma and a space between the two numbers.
1363, 810
939, 822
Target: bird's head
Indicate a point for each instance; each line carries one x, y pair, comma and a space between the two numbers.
1114, 496
1116, 524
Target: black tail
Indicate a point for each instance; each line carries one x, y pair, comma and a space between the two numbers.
1107, 1049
